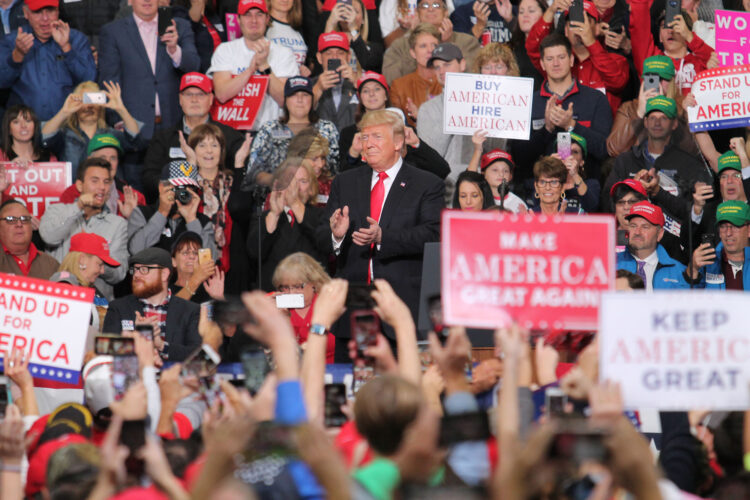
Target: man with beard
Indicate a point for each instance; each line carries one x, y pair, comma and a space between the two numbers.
645, 256
175, 320
176, 211
88, 214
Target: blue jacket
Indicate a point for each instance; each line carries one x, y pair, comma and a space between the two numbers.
123, 59
46, 75
712, 277
669, 272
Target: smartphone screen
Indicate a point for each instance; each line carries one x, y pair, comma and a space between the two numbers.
124, 373
554, 401
359, 296
365, 326
563, 144
5, 398
103, 345
204, 255
255, 367
201, 363
464, 427
335, 398
94, 98
435, 313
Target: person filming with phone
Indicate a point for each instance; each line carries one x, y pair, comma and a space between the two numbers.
722, 268
335, 90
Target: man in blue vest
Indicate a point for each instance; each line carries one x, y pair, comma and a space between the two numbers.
645, 256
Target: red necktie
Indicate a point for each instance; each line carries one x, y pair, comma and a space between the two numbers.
292, 220
376, 206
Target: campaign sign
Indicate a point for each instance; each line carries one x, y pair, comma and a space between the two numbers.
48, 321
732, 39
233, 26
542, 272
240, 111
499, 104
677, 350
723, 97
38, 185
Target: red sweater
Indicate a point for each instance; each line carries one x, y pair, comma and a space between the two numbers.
642, 40
602, 70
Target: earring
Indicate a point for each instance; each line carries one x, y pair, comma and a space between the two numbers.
536, 195
562, 196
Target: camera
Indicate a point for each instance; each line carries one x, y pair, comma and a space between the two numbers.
182, 195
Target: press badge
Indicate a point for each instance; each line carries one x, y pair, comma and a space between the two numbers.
176, 153
714, 279
127, 324
537, 124
281, 134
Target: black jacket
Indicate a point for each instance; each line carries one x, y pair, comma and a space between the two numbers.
182, 323
163, 141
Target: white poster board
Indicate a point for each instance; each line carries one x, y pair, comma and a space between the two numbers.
677, 350
499, 104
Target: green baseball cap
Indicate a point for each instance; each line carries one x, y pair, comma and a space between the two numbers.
664, 104
659, 65
734, 212
100, 141
730, 160
581, 141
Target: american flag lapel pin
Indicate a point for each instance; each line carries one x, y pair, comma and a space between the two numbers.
403, 184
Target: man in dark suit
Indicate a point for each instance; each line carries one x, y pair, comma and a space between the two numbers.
381, 216
147, 66
175, 321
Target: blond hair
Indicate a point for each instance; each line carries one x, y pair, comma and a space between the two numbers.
294, 15
302, 266
423, 29
72, 121
497, 52
71, 263
383, 117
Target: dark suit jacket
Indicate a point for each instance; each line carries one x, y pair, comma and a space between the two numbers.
182, 323
410, 218
123, 59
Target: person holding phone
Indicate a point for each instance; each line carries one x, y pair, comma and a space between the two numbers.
580, 190
192, 280
723, 267
299, 273
351, 17
334, 90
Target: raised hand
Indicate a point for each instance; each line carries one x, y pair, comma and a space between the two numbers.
128, 203
340, 223
61, 34
24, 43
190, 155
170, 38
243, 152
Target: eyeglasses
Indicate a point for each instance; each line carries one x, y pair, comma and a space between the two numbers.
192, 95
289, 288
494, 68
143, 270
428, 5
623, 203
24, 219
724, 177
189, 253
551, 183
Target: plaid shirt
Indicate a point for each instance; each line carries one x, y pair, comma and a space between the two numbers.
160, 311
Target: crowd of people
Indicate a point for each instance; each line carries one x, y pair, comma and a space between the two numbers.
187, 226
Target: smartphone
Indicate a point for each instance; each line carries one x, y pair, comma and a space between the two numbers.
103, 345
335, 398
5, 396
435, 313
209, 307
145, 331
290, 301
94, 98
255, 367
232, 311
133, 437
652, 82
165, 19
365, 326
201, 363
204, 255
555, 401
708, 238
563, 144
345, 2
462, 427
333, 65
124, 365
361, 374
576, 11
578, 442
425, 356
673, 9
359, 296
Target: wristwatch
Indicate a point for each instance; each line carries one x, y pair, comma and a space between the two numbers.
318, 329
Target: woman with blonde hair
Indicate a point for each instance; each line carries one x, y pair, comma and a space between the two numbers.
85, 262
68, 132
299, 273
496, 59
289, 223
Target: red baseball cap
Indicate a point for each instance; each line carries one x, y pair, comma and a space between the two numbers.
93, 244
371, 76
632, 184
246, 5
35, 5
333, 39
496, 155
648, 211
198, 80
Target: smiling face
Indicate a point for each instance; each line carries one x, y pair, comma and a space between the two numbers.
208, 152
469, 197
91, 267
22, 128
96, 181
549, 190
423, 48
373, 96
529, 13
379, 146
